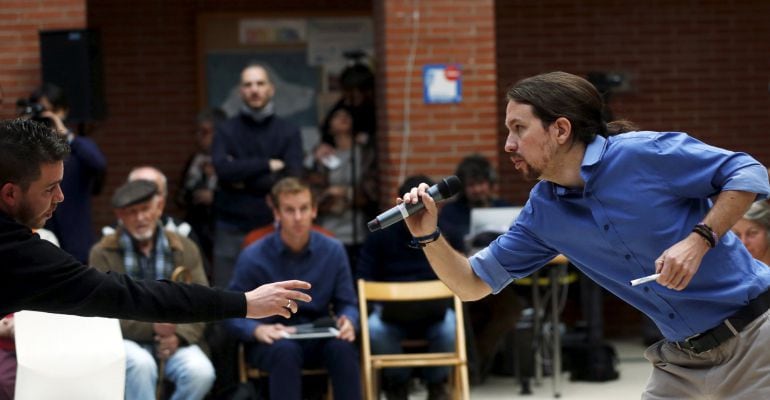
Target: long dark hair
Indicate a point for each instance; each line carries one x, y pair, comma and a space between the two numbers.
559, 94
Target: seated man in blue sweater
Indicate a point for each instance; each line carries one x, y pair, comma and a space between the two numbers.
386, 256
296, 250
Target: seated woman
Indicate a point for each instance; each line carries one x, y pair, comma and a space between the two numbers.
754, 231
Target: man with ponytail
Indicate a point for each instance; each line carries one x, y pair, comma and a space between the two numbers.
622, 204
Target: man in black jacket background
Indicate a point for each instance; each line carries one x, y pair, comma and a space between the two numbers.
251, 151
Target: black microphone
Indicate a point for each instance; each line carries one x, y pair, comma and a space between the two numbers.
443, 190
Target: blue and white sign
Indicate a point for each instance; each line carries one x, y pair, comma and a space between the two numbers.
442, 83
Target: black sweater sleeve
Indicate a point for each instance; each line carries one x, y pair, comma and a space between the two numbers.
36, 275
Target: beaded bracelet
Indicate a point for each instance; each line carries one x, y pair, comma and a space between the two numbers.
421, 241
704, 230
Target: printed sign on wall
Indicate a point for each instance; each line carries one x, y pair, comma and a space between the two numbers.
442, 83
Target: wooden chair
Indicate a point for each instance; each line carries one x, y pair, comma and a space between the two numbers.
410, 291
246, 372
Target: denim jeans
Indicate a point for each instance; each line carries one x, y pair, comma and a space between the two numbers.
386, 338
285, 358
189, 369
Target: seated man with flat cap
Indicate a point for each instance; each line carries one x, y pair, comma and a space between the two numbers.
141, 248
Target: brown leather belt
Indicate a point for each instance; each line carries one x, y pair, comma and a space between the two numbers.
730, 327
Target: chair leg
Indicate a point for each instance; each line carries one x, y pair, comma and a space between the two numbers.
374, 388
242, 374
458, 381
159, 384
462, 383
455, 384
368, 382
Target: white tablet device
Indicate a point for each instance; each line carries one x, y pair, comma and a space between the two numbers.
310, 332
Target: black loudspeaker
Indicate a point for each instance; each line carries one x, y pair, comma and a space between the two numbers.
72, 60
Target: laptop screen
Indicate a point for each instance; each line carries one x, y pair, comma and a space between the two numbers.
487, 224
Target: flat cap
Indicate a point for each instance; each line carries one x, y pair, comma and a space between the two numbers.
134, 192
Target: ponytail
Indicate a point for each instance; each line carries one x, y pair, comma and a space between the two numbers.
620, 126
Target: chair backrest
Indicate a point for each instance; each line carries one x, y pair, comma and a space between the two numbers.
411, 291
404, 291
407, 291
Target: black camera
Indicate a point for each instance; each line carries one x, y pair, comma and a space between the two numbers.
33, 110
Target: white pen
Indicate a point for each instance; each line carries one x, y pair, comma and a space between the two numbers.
648, 278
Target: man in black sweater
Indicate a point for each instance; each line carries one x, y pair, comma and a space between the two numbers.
251, 151
37, 275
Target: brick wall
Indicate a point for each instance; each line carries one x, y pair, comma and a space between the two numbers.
20, 22
431, 139
694, 66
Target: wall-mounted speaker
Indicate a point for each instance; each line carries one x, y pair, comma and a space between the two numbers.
72, 60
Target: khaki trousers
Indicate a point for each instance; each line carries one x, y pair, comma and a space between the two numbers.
737, 369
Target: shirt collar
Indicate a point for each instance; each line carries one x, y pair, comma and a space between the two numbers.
592, 156
284, 250
594, 152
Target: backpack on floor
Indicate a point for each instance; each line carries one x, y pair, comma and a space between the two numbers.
592, 362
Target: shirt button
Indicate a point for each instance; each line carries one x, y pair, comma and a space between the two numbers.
671, 315
628, 256
606, 227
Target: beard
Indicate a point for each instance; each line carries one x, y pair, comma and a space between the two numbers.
143, 236
530, 173
27, 216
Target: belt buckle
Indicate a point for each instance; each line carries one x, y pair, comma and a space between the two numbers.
689, 342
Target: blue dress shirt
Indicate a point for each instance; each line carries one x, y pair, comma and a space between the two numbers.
644, 192
323, 263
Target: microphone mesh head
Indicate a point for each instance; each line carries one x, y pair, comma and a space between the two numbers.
373, 225
449, 186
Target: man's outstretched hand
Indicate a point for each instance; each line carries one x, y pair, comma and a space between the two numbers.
278, 298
